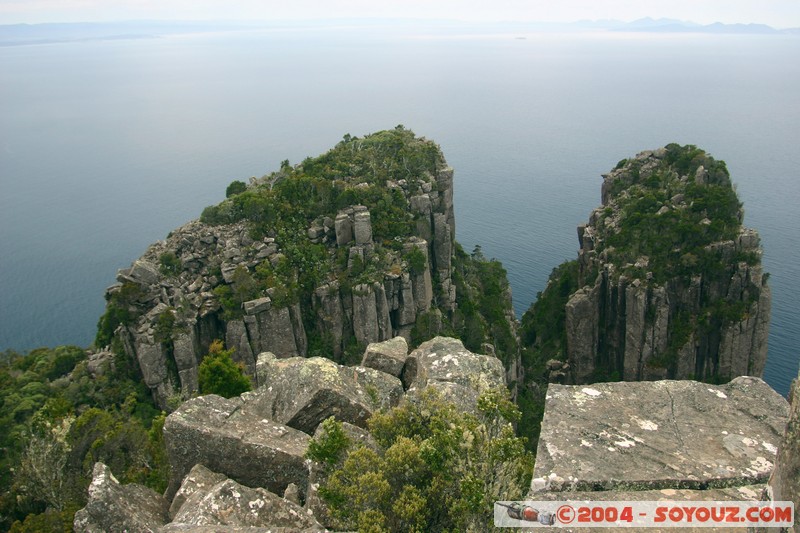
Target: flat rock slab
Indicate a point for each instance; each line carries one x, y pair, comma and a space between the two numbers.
199, 479
743, 493
637, 436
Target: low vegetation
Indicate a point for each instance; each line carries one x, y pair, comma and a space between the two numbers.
484, 313
434, 468
670, 217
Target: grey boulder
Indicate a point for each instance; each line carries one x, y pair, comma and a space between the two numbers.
238, 442
301, 392
229, 503
387, 356
114, 507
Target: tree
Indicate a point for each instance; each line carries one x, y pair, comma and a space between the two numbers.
41, 474
218, 374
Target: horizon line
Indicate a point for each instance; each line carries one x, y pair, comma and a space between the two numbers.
665, 21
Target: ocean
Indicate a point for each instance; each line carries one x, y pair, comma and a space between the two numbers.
105, 146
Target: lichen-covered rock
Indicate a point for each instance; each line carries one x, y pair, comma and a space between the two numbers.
241, 443
387, 356
292, 494
144, 272
276, 329
371, 321
654, 435
198, 479
444, 359
344, 229
581, 324
236, 339
383, 390
362, 228
405, 306
229, 503
421, 283
301, 392
97, 363
263, 362
115, 507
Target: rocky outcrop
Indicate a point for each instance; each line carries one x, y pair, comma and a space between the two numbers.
229, 458
206, 502
444, 359
260, 438
115, 507
199, 479
657, 436
670, 285
670, 441
202, 283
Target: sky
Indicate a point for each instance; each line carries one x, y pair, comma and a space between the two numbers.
776, 13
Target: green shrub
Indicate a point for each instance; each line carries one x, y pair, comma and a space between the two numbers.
329, 447
243, 288
218, 374
417, 260
235, 187
170, 264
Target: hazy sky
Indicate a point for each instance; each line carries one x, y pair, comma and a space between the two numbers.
777, 13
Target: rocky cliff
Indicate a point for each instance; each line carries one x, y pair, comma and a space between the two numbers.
352, 247
667, 284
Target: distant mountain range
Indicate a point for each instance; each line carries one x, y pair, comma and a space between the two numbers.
677, 26
20, 34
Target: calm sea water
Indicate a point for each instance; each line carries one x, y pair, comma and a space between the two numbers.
107, 146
